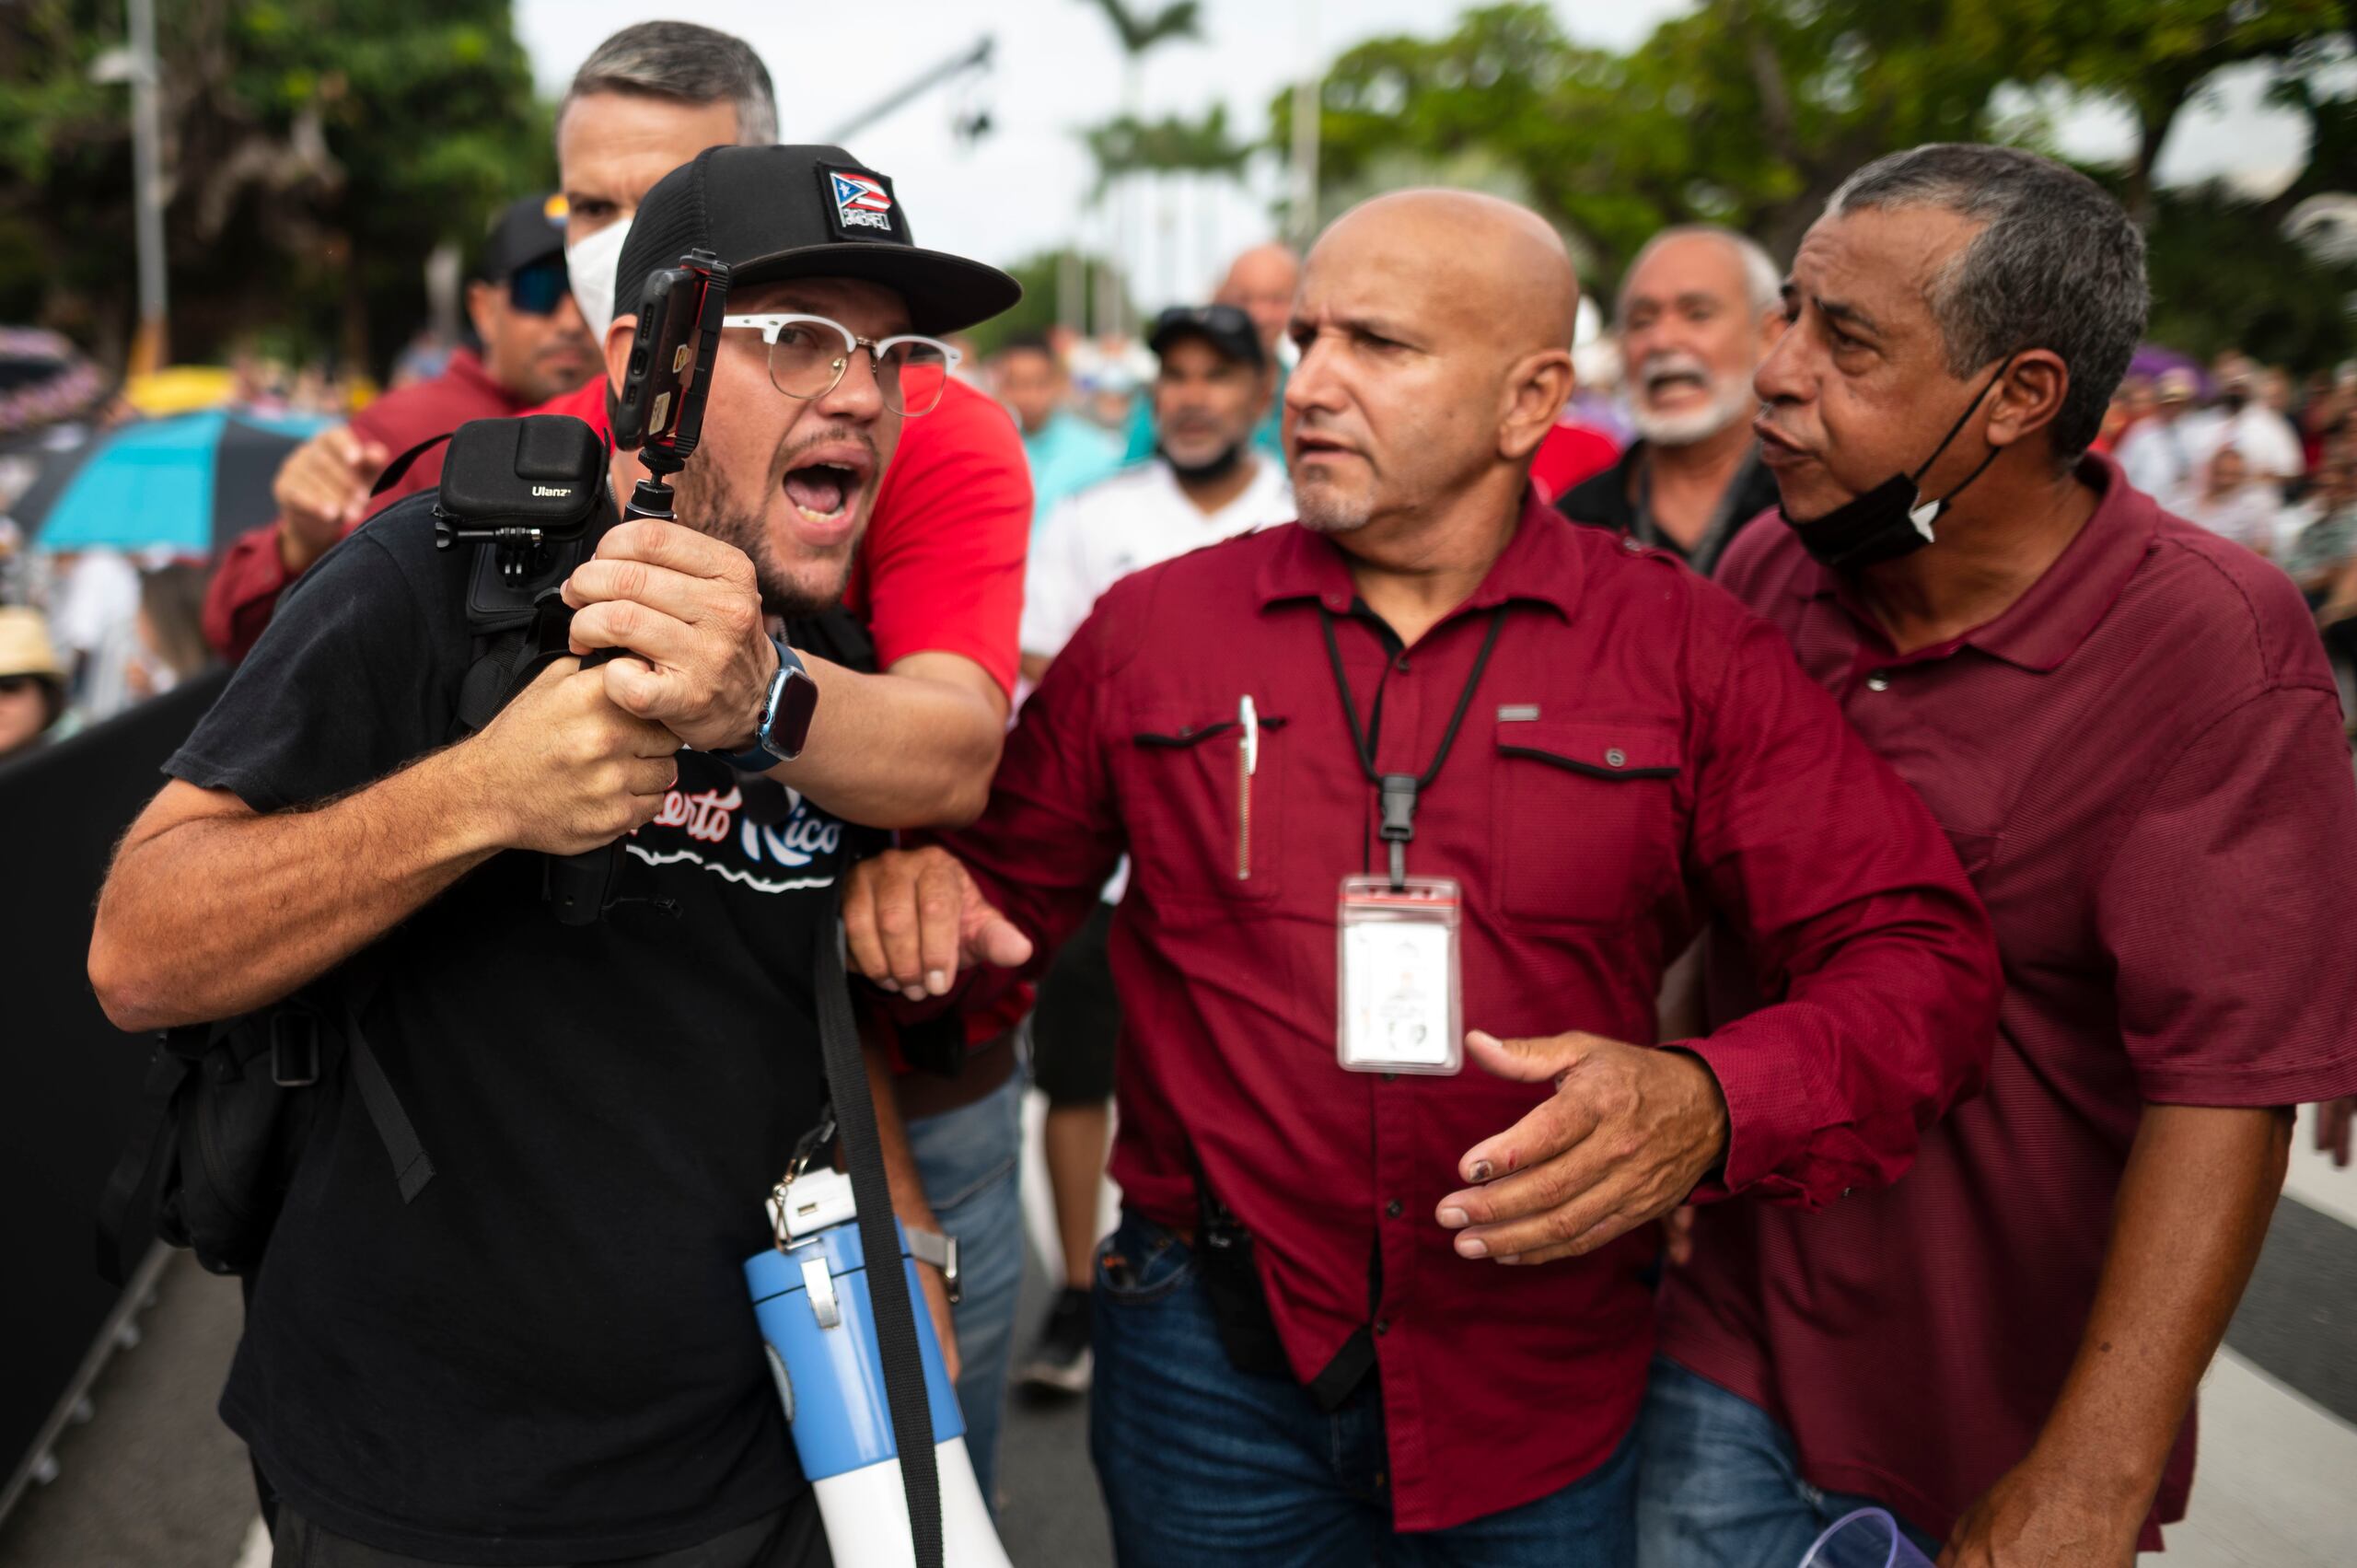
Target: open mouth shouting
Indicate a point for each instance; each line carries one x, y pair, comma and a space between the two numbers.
824, 486
1667, 379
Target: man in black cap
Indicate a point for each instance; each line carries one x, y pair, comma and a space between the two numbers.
548, 1354
534, 347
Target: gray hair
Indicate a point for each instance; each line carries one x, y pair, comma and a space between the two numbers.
1763, 281
685, 63
2057, 266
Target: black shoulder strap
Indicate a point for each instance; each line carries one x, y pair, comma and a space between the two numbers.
503, 665
507, 658
400, 465
362, 973
887, 1288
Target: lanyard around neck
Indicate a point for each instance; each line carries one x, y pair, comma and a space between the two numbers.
1399, 791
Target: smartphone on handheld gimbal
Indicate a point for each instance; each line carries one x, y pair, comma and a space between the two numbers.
661, 411
661, 408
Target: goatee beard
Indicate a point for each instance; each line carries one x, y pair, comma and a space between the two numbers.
709, 504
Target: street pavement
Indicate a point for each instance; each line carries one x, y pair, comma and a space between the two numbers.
154, 1481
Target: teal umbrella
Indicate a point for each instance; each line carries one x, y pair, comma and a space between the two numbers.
188, 484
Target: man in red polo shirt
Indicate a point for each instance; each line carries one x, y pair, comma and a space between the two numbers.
1542, 754
2129, 731
535, 347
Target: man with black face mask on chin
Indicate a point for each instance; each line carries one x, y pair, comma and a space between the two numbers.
1206, 481
2127, 729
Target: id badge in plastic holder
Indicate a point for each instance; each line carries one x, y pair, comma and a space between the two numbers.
1401, 1010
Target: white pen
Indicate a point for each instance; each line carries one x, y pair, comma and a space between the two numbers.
1248, 717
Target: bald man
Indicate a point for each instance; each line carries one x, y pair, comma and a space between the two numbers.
1432, 757
1261, 283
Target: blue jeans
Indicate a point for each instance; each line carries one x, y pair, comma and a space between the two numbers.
1719, 1485
1202, 1463
967, 1159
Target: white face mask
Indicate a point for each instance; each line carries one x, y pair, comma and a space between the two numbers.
589, 265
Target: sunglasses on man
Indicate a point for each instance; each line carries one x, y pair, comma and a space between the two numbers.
539, 288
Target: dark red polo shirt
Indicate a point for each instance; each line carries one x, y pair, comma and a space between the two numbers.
2142, 764
1640, 751
244, 592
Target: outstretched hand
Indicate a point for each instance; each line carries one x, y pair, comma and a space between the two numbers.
913, 917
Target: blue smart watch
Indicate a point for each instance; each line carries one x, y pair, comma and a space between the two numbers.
785, 723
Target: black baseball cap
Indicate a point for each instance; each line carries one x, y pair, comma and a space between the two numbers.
1224, 327
803, 212
529, 230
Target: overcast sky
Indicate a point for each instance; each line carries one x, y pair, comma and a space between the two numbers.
1057, 68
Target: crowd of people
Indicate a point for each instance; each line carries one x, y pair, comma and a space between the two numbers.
1597, 923
2249, 454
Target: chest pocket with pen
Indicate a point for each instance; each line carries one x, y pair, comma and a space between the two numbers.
1587, 818
1205, 809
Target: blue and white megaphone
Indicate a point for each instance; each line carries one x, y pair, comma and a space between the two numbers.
810, 1293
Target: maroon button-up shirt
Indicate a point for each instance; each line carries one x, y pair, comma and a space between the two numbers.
244, 592
1639, 753
2142, 764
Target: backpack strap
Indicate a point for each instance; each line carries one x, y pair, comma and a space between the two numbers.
514, 640
505, 664
362, 974
400, 465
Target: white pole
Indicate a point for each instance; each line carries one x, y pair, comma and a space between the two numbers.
1305, 131
1072, 285
148, 189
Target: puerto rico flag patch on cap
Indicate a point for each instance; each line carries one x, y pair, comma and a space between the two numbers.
861, 202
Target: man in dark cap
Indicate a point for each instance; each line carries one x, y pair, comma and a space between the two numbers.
548, 1356
937, 584
534, 347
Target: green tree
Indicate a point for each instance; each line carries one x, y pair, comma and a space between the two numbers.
1123, 144
1751, 112
1174, 145
2223, 276
2154, 57
1039, 274
1141, 33
315, 150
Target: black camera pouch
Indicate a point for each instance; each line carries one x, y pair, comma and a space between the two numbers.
545, 473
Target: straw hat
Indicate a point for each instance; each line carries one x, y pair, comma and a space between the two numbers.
25, 647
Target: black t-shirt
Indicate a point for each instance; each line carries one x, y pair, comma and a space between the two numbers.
550, 1354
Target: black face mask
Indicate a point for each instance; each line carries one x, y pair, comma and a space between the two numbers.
1218, 468
1892, 520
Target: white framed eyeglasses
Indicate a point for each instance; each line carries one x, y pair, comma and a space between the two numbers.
810, 354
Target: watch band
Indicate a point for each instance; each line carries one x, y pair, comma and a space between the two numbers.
764, 753
941, 1252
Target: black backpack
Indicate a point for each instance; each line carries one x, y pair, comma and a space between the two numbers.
225, 1115
228, 1107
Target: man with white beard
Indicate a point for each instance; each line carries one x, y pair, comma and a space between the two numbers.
1698, 310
